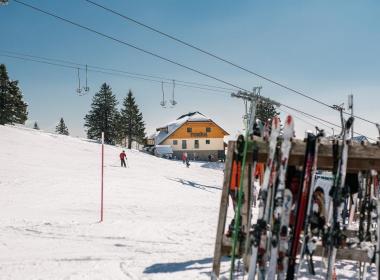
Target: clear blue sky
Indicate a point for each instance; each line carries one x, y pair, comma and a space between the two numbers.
327, 49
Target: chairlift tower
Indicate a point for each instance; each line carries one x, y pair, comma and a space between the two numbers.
252, 98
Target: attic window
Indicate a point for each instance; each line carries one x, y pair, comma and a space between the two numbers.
189, 129
208, 129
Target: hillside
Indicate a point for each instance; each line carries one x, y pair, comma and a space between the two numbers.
159, 221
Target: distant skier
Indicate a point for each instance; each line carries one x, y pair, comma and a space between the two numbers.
187, 162
123, 157
184, 158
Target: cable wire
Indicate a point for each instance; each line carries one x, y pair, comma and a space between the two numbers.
82, 67
220, 58
169, 60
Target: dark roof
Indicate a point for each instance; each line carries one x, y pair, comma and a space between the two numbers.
191, 114
360, 138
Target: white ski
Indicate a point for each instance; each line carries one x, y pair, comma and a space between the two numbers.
261, 224
336, 218
279, 198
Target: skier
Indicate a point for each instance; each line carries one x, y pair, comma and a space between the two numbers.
187, 162
184, 157
123, 157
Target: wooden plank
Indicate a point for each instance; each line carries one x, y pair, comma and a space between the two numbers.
352, 254
223, 210
360, 157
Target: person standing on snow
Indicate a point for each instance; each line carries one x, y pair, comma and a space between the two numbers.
123, 156
184, 157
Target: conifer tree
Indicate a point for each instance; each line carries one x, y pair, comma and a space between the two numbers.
265, 111
12, 108
131, 121
102, 116
61, 128
35, 126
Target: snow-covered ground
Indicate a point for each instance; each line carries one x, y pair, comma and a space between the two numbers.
159, 216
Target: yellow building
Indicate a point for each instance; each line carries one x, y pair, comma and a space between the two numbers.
194, 134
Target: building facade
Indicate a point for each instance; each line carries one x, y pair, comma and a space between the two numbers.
194, 134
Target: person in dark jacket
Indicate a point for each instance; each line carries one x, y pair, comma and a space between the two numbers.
123, 156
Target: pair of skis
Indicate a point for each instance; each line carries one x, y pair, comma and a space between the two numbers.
304, 207
259, 232
334, 234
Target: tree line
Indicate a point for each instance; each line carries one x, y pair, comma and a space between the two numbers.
119, 127
122, 126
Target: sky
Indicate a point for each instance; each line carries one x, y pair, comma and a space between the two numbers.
325, 49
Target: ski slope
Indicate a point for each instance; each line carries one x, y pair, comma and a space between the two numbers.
159, 216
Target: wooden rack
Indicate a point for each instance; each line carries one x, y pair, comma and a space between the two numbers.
361, 156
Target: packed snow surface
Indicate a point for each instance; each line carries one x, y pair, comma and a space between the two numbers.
159, 216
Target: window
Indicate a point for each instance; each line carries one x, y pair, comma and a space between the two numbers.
184, 144
207, 142
208, 129
196, 144
189, 129
175, 142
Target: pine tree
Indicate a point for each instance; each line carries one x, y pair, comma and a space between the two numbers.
102, 116
12, 108
265, 111
132, 124
35, 126
61, 128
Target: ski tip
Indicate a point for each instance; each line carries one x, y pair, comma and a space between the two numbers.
289, 120
349, 123
276, 122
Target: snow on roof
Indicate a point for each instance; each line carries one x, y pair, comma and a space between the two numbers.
163, 149
360, 138
173, 126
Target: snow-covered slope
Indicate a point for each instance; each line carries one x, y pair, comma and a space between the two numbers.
159, 219
159, 222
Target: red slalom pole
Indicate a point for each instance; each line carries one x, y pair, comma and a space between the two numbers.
101, 198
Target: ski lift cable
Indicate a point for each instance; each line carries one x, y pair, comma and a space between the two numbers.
303, 119
209, 53
209, 91
113, 74
138, 48
113, 70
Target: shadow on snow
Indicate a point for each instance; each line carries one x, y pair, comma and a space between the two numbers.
178, 266
194, 184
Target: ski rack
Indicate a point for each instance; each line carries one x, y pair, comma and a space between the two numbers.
361, 156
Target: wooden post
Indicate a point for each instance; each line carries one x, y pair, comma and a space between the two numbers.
223, 210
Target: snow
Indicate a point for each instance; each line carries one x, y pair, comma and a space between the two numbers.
159, 218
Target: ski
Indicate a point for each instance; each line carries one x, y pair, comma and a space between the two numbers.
284, 237
288, 134
237, 197
303, 203
307, 237
334, 233
259, 229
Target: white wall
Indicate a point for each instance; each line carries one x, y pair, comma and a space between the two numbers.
215, 144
